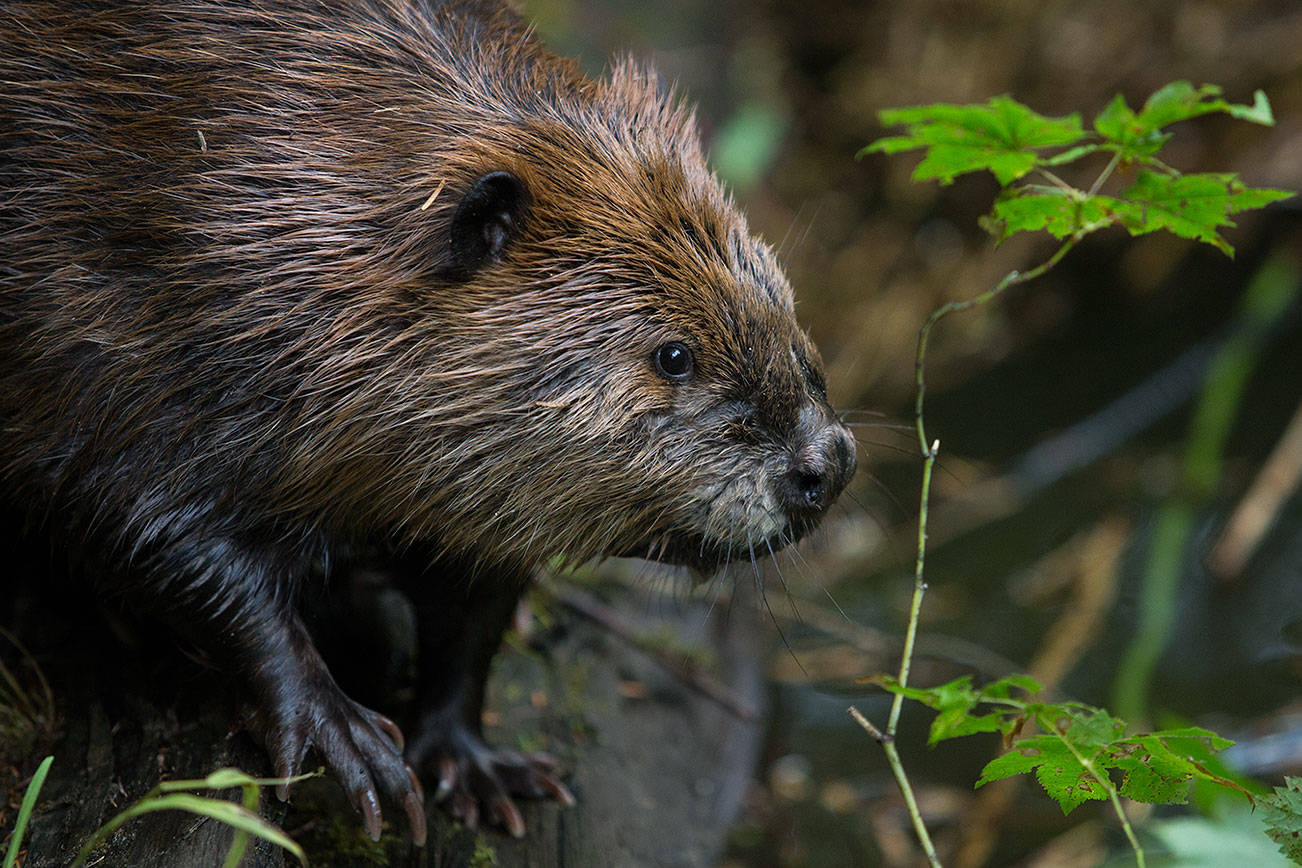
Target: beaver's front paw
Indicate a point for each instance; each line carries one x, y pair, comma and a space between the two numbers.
478, 782
362, 748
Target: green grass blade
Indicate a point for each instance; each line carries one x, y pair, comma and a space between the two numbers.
25, 811
233, 815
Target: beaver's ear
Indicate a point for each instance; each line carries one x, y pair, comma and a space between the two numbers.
488, 217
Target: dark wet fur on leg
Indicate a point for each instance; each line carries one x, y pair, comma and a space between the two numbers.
475, 782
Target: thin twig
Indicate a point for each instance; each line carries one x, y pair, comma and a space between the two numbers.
868, 725
887, 741
919, 587
1011, 279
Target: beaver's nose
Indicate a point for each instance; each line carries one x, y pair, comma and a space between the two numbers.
822, 462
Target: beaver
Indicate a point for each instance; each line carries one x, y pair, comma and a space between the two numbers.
285, 286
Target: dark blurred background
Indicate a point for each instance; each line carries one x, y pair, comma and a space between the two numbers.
1075, 471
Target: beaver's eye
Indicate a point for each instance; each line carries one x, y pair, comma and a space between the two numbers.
673, 361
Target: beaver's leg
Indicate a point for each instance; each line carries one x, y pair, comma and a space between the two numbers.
460, 622
234, 604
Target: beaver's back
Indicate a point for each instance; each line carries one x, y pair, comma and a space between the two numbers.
205, 211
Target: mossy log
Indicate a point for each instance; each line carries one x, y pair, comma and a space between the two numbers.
659, 756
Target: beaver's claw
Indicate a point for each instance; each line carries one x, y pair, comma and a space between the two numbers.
476, 782
363, 749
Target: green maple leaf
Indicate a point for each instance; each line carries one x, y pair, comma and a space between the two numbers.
1002, 688
1025, 756
1000, 136
1153, 773
1031, 209
955, 703
1180, 101
1154, 786
1191, 206
1157, 768
1138, 135
956, 700
1070, 784
1056, 768
1193, 742
1160, 766
1088, 729
1080, 747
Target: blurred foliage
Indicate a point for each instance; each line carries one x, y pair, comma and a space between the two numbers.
1228, 838
1269, 296
1282, 814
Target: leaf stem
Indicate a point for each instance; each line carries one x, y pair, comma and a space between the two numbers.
1105, 174
1058, 182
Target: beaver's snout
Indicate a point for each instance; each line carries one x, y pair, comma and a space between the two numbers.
822, 463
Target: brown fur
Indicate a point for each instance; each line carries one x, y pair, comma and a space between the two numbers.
230, 337
327, 366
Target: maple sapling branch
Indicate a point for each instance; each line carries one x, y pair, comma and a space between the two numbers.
1007, 139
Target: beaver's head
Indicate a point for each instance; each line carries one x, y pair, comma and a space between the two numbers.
429, 283
634, 379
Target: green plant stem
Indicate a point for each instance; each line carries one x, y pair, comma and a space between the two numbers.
906, 660
919, 586
1011, 279
887, 739
897, 768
